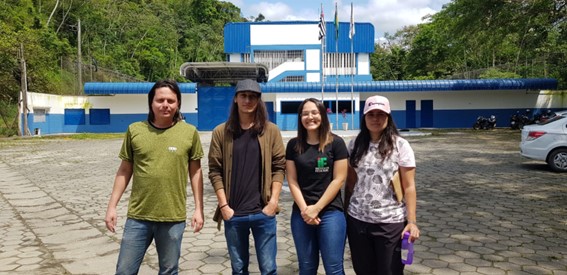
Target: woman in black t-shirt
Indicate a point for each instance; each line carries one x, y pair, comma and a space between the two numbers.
316, 170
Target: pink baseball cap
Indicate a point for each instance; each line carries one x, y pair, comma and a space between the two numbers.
377, 103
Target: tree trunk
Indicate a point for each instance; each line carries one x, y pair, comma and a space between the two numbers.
52, 12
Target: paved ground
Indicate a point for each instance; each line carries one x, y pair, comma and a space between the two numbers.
482, 209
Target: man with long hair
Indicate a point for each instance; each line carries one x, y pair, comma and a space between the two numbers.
159, 155
246, 169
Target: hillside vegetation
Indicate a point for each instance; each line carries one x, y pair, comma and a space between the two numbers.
147, 40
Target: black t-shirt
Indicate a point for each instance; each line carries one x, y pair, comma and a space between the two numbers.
315, 170
245, 190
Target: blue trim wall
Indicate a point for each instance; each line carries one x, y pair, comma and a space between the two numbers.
55, 123
237, 36
442, 118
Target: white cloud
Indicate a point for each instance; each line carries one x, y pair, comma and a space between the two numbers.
279, 11
238, 3
392, 15
386, 15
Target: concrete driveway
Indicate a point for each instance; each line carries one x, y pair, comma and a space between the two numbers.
482, 209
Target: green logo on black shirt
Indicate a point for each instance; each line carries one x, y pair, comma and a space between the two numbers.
322, 165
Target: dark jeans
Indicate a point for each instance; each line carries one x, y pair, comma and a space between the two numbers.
375, 248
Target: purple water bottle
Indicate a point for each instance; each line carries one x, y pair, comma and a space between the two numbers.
407, 250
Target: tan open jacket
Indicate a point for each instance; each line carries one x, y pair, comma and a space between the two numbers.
220, 161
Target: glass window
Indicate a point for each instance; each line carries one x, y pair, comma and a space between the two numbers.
290, 107
39, 114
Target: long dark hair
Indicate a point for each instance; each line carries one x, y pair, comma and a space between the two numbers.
260, 118
173, 86
362, 141
325, 136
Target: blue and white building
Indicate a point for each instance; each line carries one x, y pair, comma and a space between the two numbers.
293, 64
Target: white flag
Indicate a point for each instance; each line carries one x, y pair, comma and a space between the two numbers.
351, 32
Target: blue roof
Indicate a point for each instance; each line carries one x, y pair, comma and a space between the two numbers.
106, 88
416, 85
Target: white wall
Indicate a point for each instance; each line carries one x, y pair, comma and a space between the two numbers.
137, 103
470, 100
363, 64
313, 77
312, 60
234, 57
118, 104
301, 34
56, 104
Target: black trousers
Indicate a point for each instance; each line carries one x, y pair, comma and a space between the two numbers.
375, 248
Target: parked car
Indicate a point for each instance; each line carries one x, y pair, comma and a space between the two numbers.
547, 141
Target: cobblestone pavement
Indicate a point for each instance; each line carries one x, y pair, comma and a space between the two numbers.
482, 209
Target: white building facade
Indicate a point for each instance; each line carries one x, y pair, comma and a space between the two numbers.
302, 66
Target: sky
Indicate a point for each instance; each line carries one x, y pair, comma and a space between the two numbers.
387, 16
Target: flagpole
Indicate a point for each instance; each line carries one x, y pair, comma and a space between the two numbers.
323, 70
353, 65
323, 58
336, 66
322, 35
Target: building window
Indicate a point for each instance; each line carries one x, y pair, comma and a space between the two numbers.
246, 58
290, 107
272, 59
339, 64
39, 115
74, 116
99, 116
344, 106
293, 78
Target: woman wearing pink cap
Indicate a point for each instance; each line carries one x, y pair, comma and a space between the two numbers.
376, 221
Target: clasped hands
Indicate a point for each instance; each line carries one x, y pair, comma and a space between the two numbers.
310, 215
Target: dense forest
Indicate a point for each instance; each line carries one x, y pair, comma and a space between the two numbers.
480, 39
146, 40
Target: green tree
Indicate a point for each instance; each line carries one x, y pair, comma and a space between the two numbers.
480, 38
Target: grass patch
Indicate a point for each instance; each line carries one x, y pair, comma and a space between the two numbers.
22, 141
83, 136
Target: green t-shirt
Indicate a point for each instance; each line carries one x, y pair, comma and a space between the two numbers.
160, 159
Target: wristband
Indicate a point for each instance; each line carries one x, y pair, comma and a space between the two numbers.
223, 206
412, 222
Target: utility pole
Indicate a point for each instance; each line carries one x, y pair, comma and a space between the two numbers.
79, 63
23, 101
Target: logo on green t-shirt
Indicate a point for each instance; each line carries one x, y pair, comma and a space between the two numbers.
322, 165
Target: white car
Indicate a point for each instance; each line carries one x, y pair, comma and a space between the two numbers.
547, 141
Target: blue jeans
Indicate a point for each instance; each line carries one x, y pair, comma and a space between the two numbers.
237, 232
138, 236
328, 237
